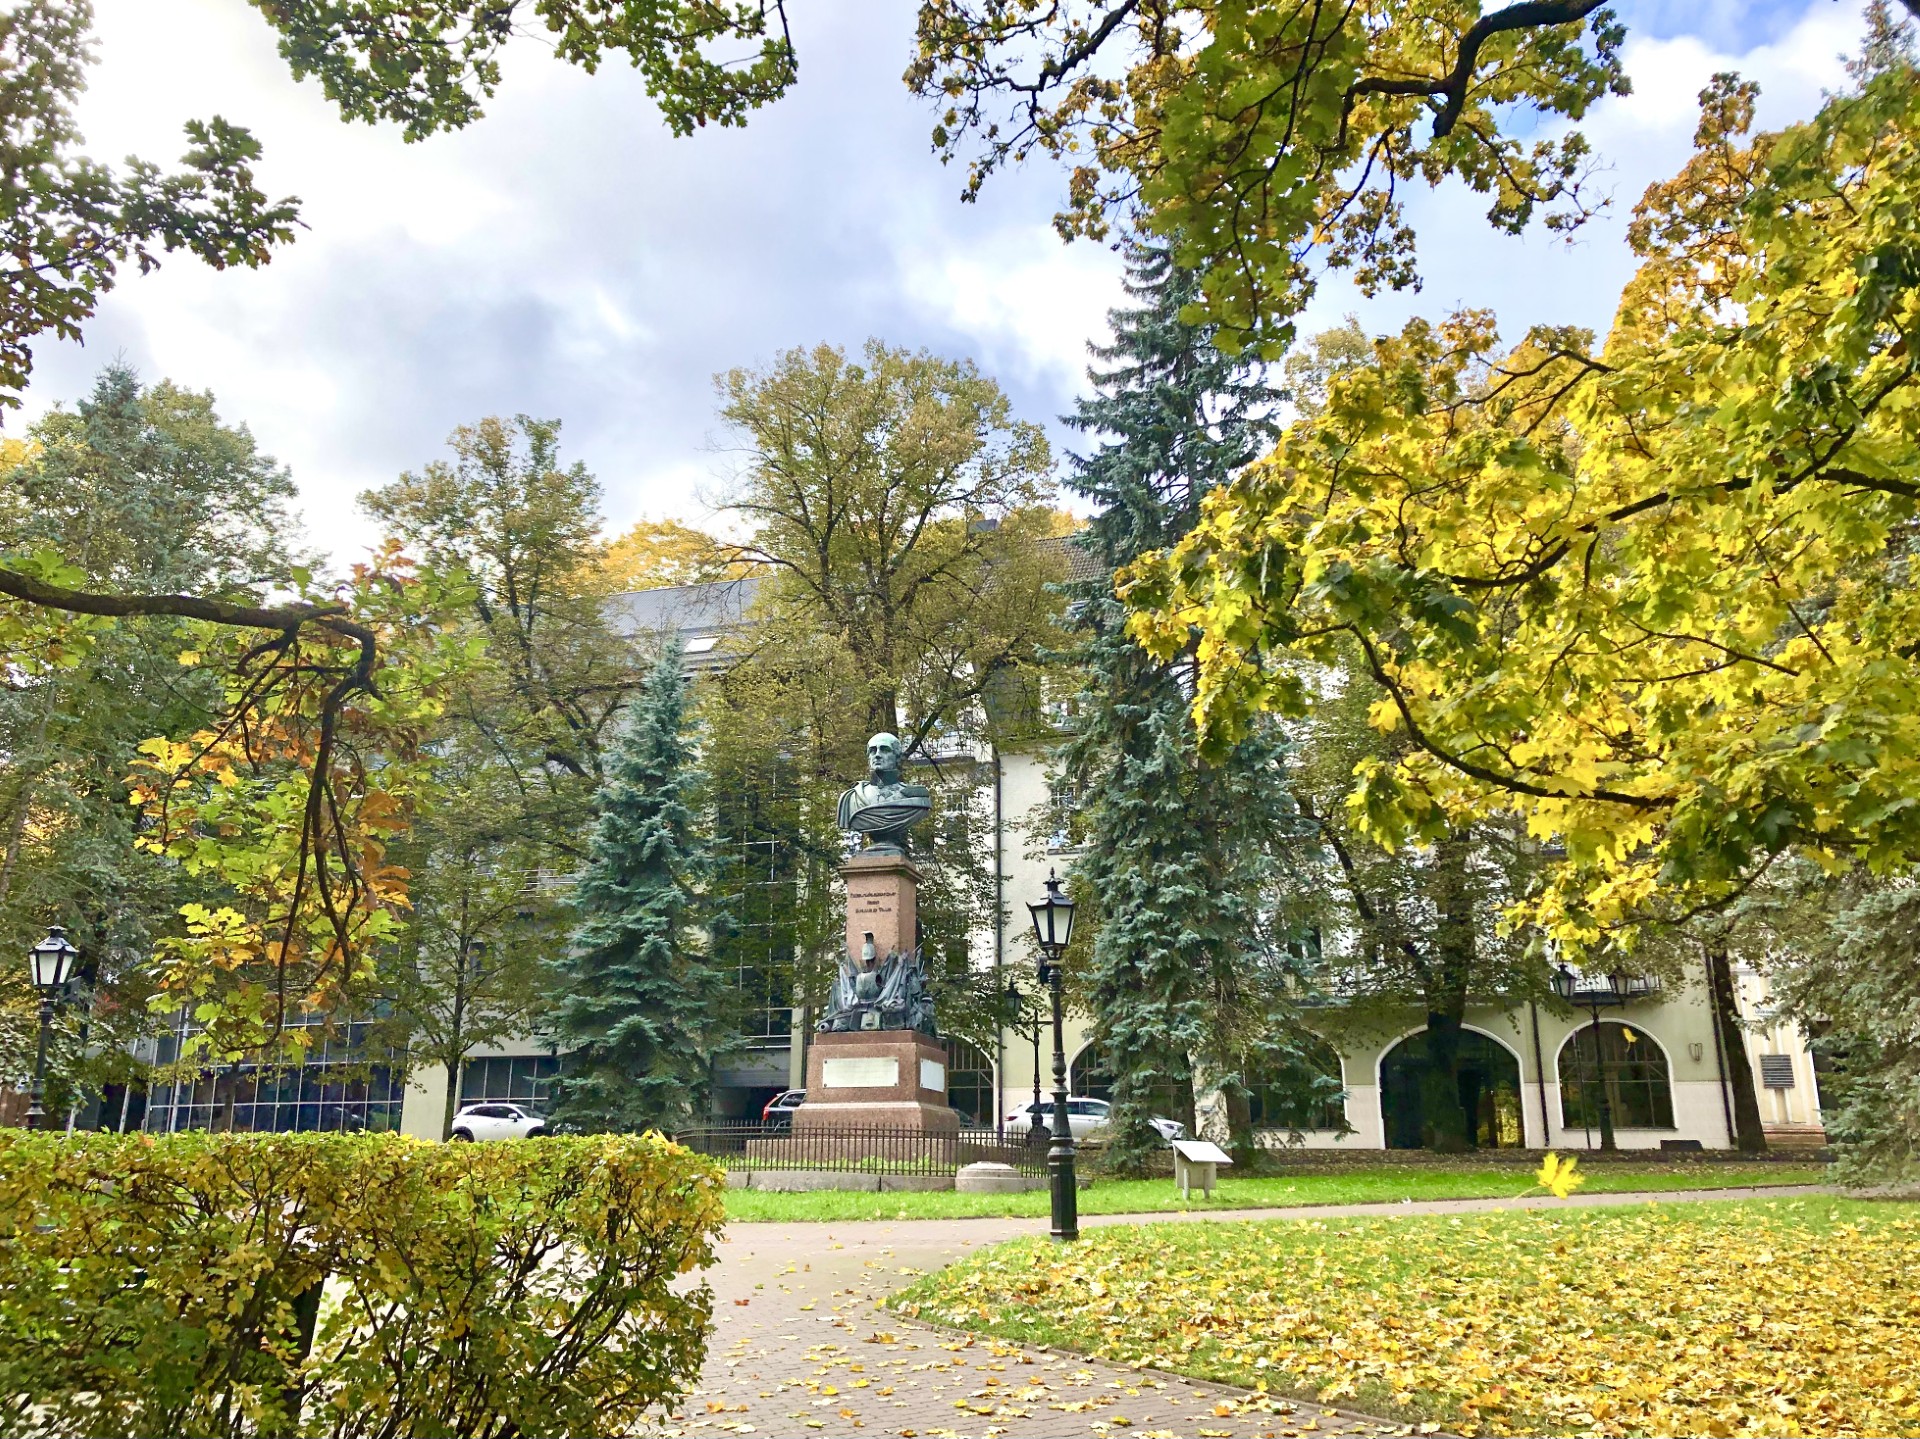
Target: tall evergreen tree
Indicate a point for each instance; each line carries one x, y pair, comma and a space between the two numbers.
644, 1012
1187, 967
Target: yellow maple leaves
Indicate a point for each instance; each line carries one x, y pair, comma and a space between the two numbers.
1654, 1320
1557, 1176
1654, 596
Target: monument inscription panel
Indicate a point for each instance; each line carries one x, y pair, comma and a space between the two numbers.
870, 1072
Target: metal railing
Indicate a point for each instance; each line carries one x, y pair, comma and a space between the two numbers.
860, 1150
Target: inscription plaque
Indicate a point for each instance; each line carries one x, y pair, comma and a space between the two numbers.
933, 1075
881, 1072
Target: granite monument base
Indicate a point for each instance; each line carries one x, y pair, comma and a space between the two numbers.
877, 1079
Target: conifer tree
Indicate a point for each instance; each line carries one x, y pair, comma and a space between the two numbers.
1184, 972
644, 1012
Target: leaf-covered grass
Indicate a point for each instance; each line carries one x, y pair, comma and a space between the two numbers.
1778, 1317
1383, 1184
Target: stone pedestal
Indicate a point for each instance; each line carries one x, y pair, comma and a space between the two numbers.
882, 900
882, 1079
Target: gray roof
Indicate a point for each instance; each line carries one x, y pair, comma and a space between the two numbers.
703, 615
1080, 564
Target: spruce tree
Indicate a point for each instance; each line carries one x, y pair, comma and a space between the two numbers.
1186, 971
643, 1011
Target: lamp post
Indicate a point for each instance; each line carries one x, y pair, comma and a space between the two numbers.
1052, 928
52, 960
1568, 983
1017, 1002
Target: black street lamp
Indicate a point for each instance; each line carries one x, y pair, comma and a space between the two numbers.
1017, 1004
53, 965
1053, 927
1573, 991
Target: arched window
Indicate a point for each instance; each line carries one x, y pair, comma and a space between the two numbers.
1090, 1075
1633, 1070
1486, 1079
1303, 1095
970, 1082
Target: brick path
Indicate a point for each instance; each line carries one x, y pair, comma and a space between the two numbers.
801, 1346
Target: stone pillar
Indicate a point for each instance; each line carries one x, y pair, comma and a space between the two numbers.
882, 900
890, 1079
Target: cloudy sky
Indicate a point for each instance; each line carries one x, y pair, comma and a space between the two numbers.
566, 258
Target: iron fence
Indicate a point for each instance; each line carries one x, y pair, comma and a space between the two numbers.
861, 1150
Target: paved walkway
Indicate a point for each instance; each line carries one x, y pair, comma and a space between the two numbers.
801, 1346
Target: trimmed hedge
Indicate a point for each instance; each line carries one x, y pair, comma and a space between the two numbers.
349, 1286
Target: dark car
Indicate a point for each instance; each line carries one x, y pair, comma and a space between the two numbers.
779, 1111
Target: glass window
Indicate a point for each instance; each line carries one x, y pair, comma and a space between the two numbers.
1631, 1071
525, 1078
1304, 1095
970, 1088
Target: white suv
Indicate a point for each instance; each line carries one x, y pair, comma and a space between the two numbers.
1084, 1117
498, 1121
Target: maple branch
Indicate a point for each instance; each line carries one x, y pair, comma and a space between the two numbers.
1529, 15
283, 618
1468, 767
286, 622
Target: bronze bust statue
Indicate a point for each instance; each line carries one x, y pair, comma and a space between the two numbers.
880, 807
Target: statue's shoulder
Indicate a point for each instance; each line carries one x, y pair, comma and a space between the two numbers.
849, 802
915, 791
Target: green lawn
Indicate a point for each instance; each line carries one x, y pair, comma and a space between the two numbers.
1385, 1183
1774, 1317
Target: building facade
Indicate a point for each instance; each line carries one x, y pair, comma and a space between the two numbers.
1538, 1073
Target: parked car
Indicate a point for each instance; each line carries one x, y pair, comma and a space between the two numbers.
779, 1111
498, 1121
1085, 1117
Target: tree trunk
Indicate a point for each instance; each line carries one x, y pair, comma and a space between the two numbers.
1448, 1129
1448, 1110
1749, 1136
1240, 1143
452, 1105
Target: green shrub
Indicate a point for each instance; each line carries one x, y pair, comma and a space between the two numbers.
348, 1285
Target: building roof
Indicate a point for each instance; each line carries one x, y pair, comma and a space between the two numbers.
707, 616
704, 616
1081, 565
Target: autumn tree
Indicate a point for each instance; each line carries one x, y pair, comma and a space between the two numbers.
136, 487
1652, 596
503, 808
279, 814
485, 914
523, 532
71, 222
657, 553
1418, 927
898, 512
1269, 143
894, 501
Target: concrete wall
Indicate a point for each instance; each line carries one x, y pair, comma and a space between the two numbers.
1677, 1021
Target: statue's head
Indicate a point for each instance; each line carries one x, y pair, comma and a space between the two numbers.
883, 754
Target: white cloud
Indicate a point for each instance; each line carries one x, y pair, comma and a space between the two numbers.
1033, 303
566, 258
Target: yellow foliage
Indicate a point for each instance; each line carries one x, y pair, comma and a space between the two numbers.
1557, 1177
656, 553
149, 1287
1652, 597
1722, 1319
